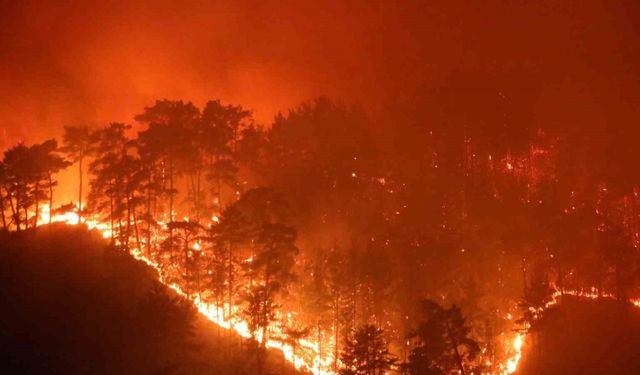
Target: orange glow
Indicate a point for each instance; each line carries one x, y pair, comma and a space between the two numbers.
306, 357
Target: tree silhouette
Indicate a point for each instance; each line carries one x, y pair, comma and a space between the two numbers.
27, 171
77, 141
169, 140
367, 353
217, 266
19, 169
188, 233
441, 343
220, 126
270, 271
48, 163
537, 294
3, 197
250, 155
220, 173
617, 251
233, 231
317, 301
114, 180
292, 335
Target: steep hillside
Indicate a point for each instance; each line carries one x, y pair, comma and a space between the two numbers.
585, 337
73, 305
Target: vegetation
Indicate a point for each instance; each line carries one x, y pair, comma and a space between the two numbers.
73, 305
608, 331
333, 228
367, 353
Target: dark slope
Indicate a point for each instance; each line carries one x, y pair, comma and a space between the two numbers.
72, 305
585, 337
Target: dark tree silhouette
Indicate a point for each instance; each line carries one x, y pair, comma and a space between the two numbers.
169, 140
28, 177
77, 142
19, 169
537, 294
3, 197
269, 271
222, 127
189, 234
115, 181
48, 162
367, 353
442, 343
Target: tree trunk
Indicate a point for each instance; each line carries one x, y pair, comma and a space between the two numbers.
2, 208
15, 215
118, 210
36, 190
135, 229
219, 195
199, 200
128, 235
149, 217
111, 218
186, 265
171, 205
80, 188
50, 198
230, 280
218, 313
454, 345
25, 207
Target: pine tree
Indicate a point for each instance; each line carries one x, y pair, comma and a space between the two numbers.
77, 142
442, 343
367, 353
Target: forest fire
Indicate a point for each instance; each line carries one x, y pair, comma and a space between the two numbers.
309, 361
340, 188
317, 365
237, 265
216, 313
512, 363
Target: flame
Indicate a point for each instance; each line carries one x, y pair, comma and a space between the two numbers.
213, 312
307, 357
512, 363
519, 339
72, 218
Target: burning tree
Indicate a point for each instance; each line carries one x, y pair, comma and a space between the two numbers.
269, 272
187, 239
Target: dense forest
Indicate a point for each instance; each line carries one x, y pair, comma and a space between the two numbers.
363, 247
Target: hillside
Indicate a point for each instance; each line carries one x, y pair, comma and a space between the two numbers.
73, 305
585, 337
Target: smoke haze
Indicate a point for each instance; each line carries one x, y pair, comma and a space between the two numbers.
537, 64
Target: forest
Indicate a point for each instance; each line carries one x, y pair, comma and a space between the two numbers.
75, 305
354, 245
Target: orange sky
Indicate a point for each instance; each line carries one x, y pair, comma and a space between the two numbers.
546, 63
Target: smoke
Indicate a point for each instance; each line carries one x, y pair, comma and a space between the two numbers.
534, 64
